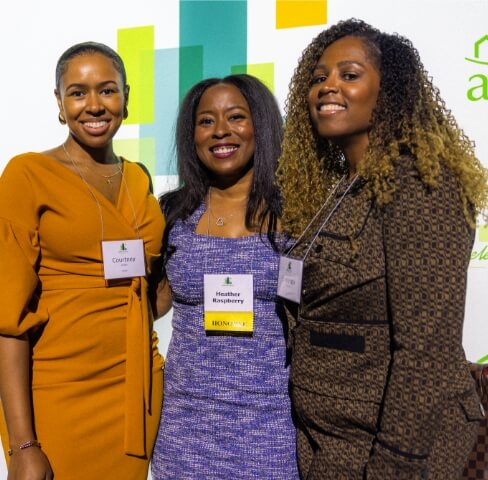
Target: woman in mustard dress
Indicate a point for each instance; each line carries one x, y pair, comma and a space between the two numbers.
80, 373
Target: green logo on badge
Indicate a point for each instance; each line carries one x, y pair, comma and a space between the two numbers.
479, 81
227, 281
123, 247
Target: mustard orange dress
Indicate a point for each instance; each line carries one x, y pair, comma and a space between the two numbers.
96, 370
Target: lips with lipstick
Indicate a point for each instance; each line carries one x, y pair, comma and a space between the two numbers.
224, 151
97, 127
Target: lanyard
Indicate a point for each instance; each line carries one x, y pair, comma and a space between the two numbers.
291, 269
327, 218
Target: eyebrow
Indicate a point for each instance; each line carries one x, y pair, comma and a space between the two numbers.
343, 63
240, 107
81, 85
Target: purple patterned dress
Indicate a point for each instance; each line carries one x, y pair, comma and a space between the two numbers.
226, 408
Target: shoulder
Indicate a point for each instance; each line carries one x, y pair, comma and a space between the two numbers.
25, 161
139, 172
23, 168
408, 180
423, 203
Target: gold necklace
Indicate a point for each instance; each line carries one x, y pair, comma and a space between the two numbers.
107, 178
220, 220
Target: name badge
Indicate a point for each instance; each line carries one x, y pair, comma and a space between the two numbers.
228, 303
123, 259
290, 279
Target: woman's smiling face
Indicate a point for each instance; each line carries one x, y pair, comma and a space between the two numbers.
344, 91
224, 132
92, 98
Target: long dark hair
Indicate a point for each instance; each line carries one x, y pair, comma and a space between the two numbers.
264, 204
410, 121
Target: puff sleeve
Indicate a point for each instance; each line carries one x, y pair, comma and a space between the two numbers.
19, 250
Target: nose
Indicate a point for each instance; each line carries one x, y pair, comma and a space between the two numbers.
329, 86
94, 104
221, 129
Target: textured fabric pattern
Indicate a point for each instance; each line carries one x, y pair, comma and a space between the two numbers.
382, 314
92, 343
477, 465
226, 412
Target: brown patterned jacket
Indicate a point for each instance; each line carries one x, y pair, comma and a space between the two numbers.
380, 381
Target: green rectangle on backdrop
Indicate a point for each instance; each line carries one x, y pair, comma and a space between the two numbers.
191, 68
138, 150
219, 28
136, 47
263, 71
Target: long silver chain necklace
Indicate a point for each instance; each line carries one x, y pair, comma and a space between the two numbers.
92, 193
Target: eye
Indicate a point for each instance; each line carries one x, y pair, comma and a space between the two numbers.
204, 121
319, 78
108, 91
236, 117
76, 93
350, 76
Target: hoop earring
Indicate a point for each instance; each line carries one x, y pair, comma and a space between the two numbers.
61, 119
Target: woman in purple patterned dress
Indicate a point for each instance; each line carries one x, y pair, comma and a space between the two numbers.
226, 409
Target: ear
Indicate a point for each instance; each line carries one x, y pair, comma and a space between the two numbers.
61, 118
58, 99
126, 101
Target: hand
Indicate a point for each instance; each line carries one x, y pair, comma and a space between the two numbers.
29, 464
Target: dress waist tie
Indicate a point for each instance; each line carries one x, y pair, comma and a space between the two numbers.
138, 360
138, 377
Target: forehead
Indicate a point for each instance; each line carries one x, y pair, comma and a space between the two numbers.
222, 96
349, 49
90, 66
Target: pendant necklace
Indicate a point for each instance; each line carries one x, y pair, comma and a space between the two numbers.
109, 177
220, 220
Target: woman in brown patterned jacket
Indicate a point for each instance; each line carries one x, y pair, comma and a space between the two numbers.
380, 381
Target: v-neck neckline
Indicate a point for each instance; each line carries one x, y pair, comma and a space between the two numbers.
91, 188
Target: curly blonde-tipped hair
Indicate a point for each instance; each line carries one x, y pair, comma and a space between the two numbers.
410, 118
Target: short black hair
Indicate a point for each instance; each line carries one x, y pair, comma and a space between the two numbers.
89, 48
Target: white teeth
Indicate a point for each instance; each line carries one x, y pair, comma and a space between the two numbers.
331, 107
95, 124
224, 149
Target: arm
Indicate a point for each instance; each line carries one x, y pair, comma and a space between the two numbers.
427, 244
18, 282
164, 298
15, 394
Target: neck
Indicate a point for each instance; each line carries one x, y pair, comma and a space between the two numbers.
83, 153
224, 189
354, 154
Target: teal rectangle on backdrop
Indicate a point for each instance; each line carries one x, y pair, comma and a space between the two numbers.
220, 29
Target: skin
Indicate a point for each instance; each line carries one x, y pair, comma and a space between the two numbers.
91, 99
225, 144
343, 95
224, 134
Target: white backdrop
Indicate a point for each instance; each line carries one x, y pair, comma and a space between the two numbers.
33, 34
